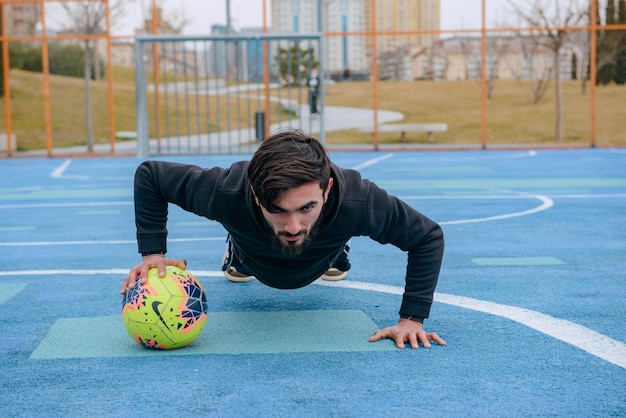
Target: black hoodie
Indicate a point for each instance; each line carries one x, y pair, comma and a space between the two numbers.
355, 207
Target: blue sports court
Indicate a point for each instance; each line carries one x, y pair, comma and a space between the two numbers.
531, 299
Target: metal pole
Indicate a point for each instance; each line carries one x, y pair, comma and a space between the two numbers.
227, 17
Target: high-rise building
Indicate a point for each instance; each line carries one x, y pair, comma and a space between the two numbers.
404, 16
341, 52
344, 51
21, 19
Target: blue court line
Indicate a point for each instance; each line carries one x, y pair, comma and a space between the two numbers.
224, 333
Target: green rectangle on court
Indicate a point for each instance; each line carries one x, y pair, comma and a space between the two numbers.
224, 333
8, 290
517, 261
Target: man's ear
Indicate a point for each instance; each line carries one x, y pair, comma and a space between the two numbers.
330, 186
256, 199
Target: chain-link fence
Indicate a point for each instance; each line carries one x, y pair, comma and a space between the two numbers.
199, 95
429, 73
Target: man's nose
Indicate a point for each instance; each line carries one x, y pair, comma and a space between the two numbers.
292, 223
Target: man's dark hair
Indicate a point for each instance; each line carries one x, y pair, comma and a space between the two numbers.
286, 160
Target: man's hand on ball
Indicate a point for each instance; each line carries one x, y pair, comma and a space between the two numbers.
140, 271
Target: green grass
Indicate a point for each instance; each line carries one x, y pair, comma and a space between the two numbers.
511, 117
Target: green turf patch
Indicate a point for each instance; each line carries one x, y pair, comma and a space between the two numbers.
99, 212
517, 261
58, 194
8, 290
16, 228
224, 333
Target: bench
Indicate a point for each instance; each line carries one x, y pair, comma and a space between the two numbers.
403, 128
126, 135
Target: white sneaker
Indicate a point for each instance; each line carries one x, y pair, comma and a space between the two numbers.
334, 275
233, 275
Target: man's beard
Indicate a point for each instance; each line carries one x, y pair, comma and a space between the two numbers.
295, 248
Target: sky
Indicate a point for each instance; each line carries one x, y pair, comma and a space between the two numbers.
201, 14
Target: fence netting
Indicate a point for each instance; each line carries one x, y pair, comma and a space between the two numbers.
470, 74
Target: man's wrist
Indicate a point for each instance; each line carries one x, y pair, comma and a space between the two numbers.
149, 253
413, 318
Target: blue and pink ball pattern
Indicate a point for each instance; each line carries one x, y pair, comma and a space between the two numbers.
166, 312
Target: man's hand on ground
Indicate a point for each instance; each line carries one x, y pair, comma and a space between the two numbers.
407, 331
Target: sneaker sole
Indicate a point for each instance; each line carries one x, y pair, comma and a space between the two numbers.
237, 277
335, 275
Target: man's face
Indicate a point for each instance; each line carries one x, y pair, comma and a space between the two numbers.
294, 215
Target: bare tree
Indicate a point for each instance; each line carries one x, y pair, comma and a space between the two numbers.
535, 73
497, 46
89, 18
550, 18
173, 24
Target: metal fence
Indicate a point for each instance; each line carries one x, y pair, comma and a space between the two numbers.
69, 88
224, 94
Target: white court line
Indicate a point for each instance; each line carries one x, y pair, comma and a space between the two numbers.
586, 339
516, 196
59, 172
372, 162
546, 204
419, 197
94, 242
88, 272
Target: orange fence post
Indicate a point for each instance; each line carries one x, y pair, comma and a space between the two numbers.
110, 78
266, 73
5, 79
375, 74
156, 63
483, 77
592, 70
46, 79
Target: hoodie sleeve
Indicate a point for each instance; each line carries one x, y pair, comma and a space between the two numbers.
158, 183
395, 222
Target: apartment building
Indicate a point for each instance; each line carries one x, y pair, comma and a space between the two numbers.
21, 19
341, 19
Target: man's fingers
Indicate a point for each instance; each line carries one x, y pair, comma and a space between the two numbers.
399, 342
413, 340
129, 281
436, 338
125, 285
424, 339
143, 273
377, 336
